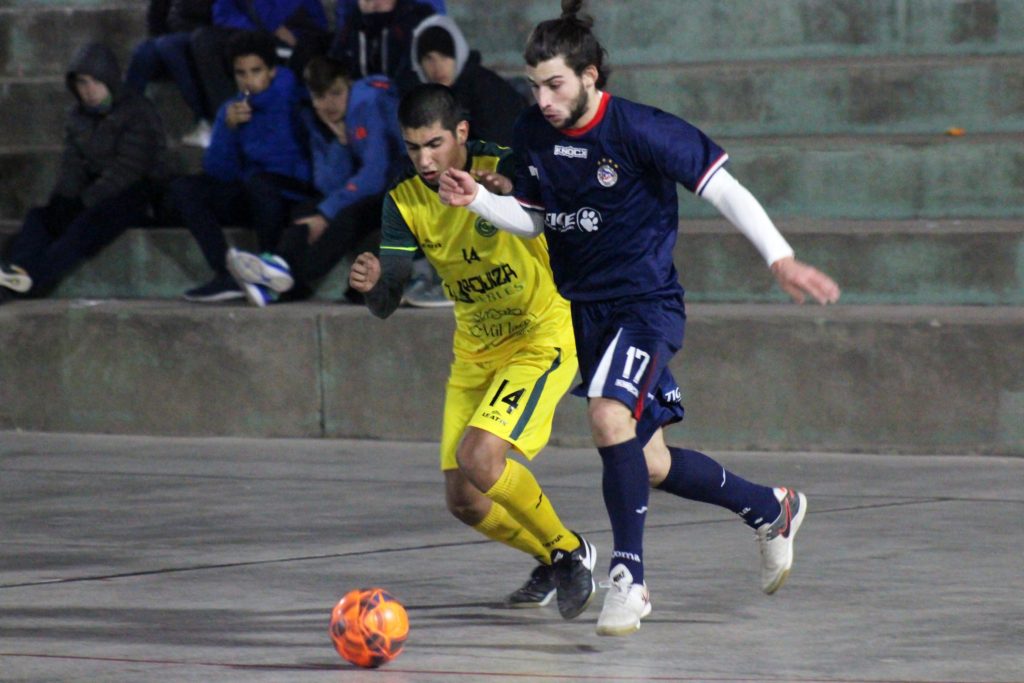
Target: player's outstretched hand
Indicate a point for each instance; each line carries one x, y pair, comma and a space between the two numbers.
456, 188
365, 272
799, 279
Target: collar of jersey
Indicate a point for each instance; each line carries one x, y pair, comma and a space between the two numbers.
598, 117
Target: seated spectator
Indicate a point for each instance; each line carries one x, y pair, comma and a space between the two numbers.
344, 9
299, 28
113, 158
490, 103
356, 149
166, 53
377, 37
254, 168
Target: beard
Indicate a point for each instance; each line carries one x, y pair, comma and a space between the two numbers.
578, 109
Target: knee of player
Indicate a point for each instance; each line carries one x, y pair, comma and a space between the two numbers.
611, 422
469, 512
482, 466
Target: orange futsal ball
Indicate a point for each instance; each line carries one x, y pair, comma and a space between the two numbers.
369, 627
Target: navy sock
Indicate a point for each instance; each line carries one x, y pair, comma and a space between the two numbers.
695, 476
626, 489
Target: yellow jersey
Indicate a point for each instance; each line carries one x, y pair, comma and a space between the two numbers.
501, 284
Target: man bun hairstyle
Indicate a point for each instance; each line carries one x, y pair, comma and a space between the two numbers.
430, 103
571, 38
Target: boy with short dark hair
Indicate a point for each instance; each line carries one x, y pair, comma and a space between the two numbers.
254, 168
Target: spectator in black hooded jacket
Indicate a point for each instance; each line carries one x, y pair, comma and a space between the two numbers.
113, 153
490, 103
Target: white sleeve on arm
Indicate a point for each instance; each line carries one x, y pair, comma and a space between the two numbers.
506, 213
744, 211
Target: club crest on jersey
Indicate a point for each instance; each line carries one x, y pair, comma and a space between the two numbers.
607, 173
485, 228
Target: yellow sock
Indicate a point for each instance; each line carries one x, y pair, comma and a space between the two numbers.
519, 493
499, 526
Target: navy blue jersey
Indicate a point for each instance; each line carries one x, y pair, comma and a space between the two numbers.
608, 193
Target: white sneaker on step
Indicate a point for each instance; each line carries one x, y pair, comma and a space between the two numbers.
625, 604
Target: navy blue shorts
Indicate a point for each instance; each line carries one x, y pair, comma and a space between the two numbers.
624, 347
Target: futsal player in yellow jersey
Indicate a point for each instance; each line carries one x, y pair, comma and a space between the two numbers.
514, 351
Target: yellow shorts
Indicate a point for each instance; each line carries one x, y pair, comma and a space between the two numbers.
514, 398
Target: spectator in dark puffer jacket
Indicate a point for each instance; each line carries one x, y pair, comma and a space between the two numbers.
167, 53
113, 158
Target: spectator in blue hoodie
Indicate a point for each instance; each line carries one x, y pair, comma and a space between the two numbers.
255, 167
357, 148
299, 28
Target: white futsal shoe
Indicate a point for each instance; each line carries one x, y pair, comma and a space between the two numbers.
775, 540
625, 604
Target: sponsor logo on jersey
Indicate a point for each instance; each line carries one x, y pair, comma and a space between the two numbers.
571, 152
533, 171
479, 285
607, 172
674, 395
485, 228
431, 245
585, 219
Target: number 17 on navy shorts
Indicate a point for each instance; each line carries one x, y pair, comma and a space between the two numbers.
624, 348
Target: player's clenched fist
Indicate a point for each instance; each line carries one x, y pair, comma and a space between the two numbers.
364, 273
456, 188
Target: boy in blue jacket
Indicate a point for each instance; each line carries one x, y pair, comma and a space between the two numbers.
299, 28
255, 167
356, 148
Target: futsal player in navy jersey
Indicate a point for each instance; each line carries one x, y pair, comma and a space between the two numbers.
597, 174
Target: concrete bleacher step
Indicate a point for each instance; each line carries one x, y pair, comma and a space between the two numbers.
844, 378
655, 31
850, 95
911, 262
856, 177
749, 99
40, 38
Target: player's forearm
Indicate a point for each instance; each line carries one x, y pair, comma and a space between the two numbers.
743, 210
386, 295
506, 213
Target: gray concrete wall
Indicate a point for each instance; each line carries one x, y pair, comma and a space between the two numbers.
894, 379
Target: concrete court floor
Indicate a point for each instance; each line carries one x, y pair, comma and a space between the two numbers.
155, 559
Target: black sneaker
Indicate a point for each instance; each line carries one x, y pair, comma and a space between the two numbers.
537, 591
574, 578
221, 288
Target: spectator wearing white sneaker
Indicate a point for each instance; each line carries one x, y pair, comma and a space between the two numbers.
597, 176
167, 53
112, 164
356, 148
